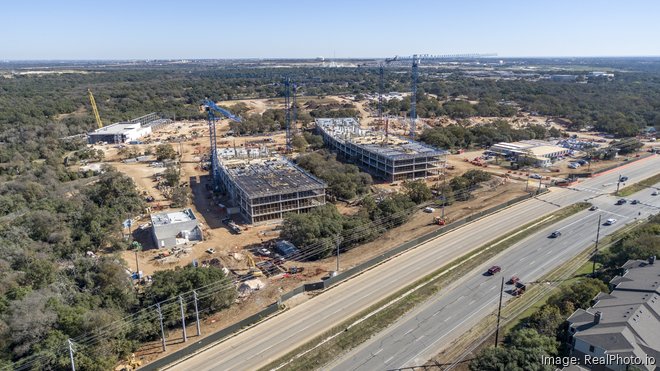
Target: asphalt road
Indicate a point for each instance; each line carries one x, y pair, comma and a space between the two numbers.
425, 331
281, 334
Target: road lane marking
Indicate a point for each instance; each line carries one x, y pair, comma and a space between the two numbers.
452, 330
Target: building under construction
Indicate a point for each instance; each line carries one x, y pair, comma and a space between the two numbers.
262, 187
384, 156
132, 130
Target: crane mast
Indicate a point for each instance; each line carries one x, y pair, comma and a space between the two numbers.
213, 112
416, 59
99, 123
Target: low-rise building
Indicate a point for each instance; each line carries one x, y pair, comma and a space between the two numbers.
171, 229
541, 152
621, 325
130, 131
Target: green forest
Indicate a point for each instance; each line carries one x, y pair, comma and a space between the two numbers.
52, 289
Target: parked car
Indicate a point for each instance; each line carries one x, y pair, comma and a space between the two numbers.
494, 269
634, 202
535, 176
555, 234
429, 209
593, 208
263, 251
610, 221
621, 201
210, 251
655, 193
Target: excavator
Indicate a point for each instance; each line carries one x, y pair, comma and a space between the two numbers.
252, 268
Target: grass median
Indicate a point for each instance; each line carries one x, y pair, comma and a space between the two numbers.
359, 328
634, 188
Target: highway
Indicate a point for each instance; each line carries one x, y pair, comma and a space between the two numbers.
425, 331
281, 334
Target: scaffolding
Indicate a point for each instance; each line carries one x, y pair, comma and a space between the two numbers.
384, 156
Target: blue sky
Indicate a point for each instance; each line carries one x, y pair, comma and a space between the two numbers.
145, 29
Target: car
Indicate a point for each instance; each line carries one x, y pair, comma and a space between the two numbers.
535, 176
210, 251
610, 221
429, 209
494, 269
593, 208
655, 193
623, 179
555, 234
634, 202
621, 201
226, 221
263, 251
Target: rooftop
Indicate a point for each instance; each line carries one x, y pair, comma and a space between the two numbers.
348, 130
269, 175
118, 128
629, 315
169, 218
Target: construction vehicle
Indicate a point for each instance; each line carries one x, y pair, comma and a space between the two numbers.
252, 268
99, 123
439, 220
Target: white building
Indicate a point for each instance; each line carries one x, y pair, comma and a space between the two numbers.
120, 132
171, 229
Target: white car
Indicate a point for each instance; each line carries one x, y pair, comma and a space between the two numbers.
610, 221
535, 176
429, 210
655, 193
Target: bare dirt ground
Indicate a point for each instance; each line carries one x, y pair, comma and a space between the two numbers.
419, 224
226, 245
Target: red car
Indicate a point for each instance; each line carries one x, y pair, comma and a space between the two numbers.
494, 269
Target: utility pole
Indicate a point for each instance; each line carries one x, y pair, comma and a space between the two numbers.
499, 312
199, 331
618, 183
337, 255
593, 268
540, 182
162, 330
73, 364
183, 319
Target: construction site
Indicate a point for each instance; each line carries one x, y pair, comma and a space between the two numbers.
262, 187
387, 157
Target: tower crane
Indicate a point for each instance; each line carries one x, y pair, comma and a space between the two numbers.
95, 109
415, 60
214, 112
291, 117
287, 107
